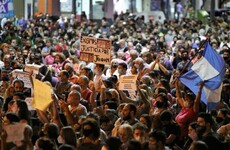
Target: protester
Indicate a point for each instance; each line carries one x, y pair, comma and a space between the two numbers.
157, 52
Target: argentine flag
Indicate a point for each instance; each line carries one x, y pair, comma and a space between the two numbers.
210, 68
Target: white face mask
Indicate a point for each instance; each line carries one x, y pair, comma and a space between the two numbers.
137, 66
60, 140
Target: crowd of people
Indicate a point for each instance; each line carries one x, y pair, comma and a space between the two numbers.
88, 110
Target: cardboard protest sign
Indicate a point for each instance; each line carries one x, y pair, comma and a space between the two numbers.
32, 68
42, 95
95, 50
127, 82
15, 132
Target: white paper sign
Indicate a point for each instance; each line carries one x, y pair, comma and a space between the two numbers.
29, 101
127, 82
24, 76
32, 68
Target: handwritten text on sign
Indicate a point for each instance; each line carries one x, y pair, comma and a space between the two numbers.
95, 50
127, 82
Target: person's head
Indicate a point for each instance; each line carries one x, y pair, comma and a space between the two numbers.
129, 111
133, 54
221, 115
139, 63
10, 118
161, 100
50, 130
112, 143
122, 67
134, 145
18, 96
91, 129
74, 98
184, 55
140, 132
63, 76
125, 133
21, 109
67, 136
69, 67
87, 72
146, 120
189, 99
199, 145
83, 81
204, 122
99, 68
18, 85
166, 117
44, 144
157, 139
75, 87
146, 80
66, 147
192, 131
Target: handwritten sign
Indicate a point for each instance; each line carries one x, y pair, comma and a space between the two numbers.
42, 95
29, 102
15, 132
127, 82
24, 76
95, 50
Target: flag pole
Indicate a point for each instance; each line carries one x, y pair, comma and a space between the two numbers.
187, 64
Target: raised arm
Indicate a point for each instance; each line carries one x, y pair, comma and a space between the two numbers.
178, 93
197, 99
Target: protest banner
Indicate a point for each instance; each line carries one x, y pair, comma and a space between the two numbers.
42, 95
95, 50
24, 76
15, 132
6, 9
127, 82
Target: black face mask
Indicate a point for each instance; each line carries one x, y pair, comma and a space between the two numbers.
201, 130
159, 104
87, 132
219, 119
5, 78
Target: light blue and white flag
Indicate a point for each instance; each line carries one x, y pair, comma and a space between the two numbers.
210, 68
6, 9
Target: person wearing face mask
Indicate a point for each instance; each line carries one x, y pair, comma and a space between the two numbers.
91, 134
190, 107
73, 78
206, 134
170, 127
141, 66
222, 117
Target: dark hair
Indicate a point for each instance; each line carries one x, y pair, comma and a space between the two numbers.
20, 95
140, 126
24, 112
193, 125
124, 65
69, 135
158, 135
134, 145
52, 131
200, 145
65, 73
113, 143
148, 120
94, 126
166, 115
66, 147
45, 143
12, 117
18, 81
207, 117
132, 107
